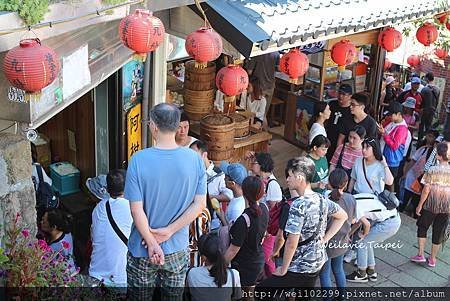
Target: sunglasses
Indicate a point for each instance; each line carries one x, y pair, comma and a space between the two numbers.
369, 140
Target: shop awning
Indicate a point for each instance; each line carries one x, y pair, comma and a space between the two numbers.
255, 27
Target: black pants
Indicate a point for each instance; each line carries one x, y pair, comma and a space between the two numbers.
288, 281
439, 222
410, 202
425, 124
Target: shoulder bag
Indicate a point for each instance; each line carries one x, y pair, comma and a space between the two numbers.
114, 225
386, 197
317, 232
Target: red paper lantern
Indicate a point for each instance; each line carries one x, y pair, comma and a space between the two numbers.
441, 53
141, 32
31, 66
387, 64
203, 45
343, 53
232, 80
413, 60
390, 39
427, 34
294, 64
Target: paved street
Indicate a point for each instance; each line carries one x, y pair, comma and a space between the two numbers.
396, 270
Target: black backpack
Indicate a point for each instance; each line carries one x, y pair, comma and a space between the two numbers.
45, 196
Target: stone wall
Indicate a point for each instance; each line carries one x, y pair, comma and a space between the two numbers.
16, 186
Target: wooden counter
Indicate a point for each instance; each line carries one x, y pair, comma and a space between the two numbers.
257, 142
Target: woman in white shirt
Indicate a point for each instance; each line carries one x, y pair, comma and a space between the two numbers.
322, 113
214, 274
255, 102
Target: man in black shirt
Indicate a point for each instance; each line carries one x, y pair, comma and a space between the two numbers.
358, 104
430, 97
340, 114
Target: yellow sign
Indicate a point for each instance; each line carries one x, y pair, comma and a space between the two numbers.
134, 130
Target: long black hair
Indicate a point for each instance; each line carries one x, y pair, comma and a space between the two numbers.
375, 147
319, 107
338, 179
209, 246
59, 219
253, 191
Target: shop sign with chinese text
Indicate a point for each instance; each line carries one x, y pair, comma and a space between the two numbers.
134, 130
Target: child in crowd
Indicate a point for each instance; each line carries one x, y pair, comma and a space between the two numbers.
215, 274
56, 224
322, 113
345, 155
235, 173
318, 150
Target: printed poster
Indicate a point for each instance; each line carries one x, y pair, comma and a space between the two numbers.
132, 84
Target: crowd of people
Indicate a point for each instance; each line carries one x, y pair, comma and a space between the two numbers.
177, 221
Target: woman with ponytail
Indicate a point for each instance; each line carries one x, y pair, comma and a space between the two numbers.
214, 274
338, 244
245, 251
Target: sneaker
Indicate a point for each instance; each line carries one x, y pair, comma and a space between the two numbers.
357, 277
418, 258
431, 262
372, 275
350, 256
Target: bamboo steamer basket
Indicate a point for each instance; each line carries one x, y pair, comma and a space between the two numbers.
217, 130
241, 125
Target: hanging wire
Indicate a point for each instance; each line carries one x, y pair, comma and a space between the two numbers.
97, 12
199, 7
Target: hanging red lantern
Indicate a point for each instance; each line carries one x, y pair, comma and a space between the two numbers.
390, 39
31, 66
141, 32
427, 34
203, 45
343, 53
231, 80
387, 64
441, 53
294, 64
413, 60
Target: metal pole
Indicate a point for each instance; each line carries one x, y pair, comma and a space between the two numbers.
145, 98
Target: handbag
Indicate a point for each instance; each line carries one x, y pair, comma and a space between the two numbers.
386, 197
339, 163
416, 186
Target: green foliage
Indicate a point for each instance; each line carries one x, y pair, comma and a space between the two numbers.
31, 11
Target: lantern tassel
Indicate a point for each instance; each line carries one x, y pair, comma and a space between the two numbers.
200, 65
140, 57
32, 96
294, 81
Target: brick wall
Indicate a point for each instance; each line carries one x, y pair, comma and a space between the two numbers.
439, 71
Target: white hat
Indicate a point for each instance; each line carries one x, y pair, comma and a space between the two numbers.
390, 80
410, 102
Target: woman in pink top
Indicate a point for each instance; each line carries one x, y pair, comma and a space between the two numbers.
345, 155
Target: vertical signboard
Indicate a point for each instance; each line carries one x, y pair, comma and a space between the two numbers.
132, 83
134, 129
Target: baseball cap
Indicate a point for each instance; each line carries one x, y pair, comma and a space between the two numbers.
235, 171
390, 80
346, 88
415, 80
410, 102
98, 187
395, 107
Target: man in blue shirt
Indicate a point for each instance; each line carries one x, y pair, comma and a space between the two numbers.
166, 187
